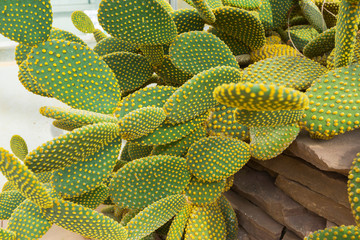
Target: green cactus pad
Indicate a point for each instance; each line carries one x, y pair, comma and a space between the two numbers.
141, 122
44, 177
260, 97
132, 70
301, 35
82, 117
138, 151
57, 33
204, 193
146, 180
298, 20
195, 96
267, 118
230, 218
28, 82
180, 147
335, 233
221, 122
269, 142
28, 222
313, 15
82, 22
18, 147
266, 15
178, 225
84, 176
288, 71
124, 155
353, 188
24, 180
99, 35
148, 24
172, 75
244, 4
204, 10
6, 234
232, 21
154, 96
21, 53
216, 158
237, 47
8, 186
128, 215
84, 221
168, 133
154, 54
161, 211
111, 45
334, 103
273, 50
194, 52
93, 198
71, 147
187, 20
88, 75
166, 5
206, 223
9, 201
320, 45
332, 9
280, 10
26, 22
66, 125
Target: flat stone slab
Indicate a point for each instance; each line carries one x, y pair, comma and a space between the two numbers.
315, 202
332, 185
259, 188
290, 236
334, 155
253, 219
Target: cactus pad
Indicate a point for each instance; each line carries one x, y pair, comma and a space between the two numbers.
138, 23
25, 180
77, 81
194, 52
141, 122
66, 125
8, 186
93, 198
267, 118
230, 218
334, 103
232, 21
322, 44
332, 9
273, 50
221, 122
269, 142
187, 20
203, 193
353, 188
244, 4
21, 53
280, 10
292, 72
57, 33
301, 35
154, 96
84, 221
154, 54
111, 45
161, 211
82, 22
206, 223
335, 233
6, 234
178, 225
71, 147
84, 176
216, 158
204, 10
28, 222
195, 96
260, 97
313, 15
18, 147
26, 22
146, 180
138, 151
132, 70
9, 201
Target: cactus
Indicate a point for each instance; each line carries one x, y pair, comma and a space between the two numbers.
190, 133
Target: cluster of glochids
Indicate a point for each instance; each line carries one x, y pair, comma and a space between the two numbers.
192, 105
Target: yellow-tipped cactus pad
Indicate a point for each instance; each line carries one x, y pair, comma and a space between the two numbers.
161, 211
244, 4
138, 23
195, 96
18, 147
231, 222
93, 198
85, 221
260, 97
77, 75
194, 52
9, 201
322, 44
204, 10
137, 151
313, 15
111, 45
187, 20
336, 233
82, 22
354, 188
25, 180
178, 225
147, 180
7, 234
203, 193
216, 158
26, 22
71, 147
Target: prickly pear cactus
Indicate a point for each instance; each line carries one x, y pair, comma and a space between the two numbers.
192, 105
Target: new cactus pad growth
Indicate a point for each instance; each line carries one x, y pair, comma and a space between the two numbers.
204, 115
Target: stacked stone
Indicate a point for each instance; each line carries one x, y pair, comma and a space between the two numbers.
298, 192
